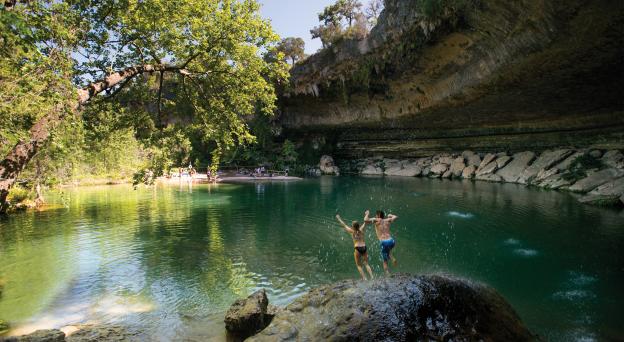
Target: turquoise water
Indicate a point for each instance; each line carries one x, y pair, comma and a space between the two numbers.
169, 260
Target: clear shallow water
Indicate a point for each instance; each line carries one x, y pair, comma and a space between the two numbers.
170, 260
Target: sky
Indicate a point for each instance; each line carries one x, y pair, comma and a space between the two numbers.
295, 18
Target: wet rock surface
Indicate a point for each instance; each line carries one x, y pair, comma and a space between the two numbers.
398, 308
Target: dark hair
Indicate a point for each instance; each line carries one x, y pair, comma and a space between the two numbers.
355, 225
380, 214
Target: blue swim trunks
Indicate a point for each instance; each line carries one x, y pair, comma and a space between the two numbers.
386, 247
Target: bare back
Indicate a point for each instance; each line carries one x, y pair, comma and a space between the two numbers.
382, 228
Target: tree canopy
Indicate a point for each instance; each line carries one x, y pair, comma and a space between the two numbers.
293, 48
345, 19
199, 59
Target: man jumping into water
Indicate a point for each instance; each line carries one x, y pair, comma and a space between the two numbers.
382, 228
360, 253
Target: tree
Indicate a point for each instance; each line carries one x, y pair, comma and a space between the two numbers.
336, 20
293, 48
52, 50
373, 10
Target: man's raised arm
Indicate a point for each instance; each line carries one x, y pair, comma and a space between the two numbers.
392, 217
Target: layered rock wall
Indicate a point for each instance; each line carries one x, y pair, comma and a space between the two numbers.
497, 76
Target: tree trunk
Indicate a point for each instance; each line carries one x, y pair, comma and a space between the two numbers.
17, 159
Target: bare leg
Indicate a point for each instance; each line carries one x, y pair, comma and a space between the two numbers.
385, 266
359, 265
368, 268
394, 261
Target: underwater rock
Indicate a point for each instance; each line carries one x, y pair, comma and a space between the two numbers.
248, 316
398, 308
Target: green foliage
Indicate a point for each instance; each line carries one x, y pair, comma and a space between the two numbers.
579, 167
342, 20
292, 48
18, 194
289, 154
49, 47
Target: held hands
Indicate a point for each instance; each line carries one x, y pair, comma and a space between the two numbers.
366, 213
338, 216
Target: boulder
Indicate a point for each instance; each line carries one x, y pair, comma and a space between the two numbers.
489, 178
595, 179
487, 159
544, 174
398, 308
488, 169
468, 172
457, 166
555, 181
613, 158
426, 171
566, 163
447, 174
601, 200
595, 153
613, 188
404, 170
444, 159
512, 171
50, 335
372, 170
327, 166
248, 316
544, 162
502, 161
439, 169
473, 160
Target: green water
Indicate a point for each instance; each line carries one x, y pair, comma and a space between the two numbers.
169, 260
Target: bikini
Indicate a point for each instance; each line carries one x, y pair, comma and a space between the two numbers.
361, 249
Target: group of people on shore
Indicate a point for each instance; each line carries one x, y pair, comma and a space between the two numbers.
386, 241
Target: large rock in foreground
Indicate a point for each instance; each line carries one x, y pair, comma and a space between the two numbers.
248, 316
399, 308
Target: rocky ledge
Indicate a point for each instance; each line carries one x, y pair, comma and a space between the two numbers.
398, 308
84, 333
597, 175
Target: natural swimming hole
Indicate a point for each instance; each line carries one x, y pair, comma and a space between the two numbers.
169, 260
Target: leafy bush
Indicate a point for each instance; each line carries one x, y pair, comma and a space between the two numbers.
18, 194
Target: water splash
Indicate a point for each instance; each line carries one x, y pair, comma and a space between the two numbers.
512, 242
460, 214
525, 252
574, 295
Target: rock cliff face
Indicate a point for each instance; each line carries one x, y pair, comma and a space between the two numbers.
497, 76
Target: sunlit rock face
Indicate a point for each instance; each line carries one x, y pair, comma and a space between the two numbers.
504, 75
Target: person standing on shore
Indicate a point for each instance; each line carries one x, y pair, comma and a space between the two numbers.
382, 228
360, 253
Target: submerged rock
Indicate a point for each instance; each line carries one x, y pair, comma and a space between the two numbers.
398, 308
88, 333
248, 316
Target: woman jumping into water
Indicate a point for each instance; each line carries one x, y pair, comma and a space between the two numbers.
360, 253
